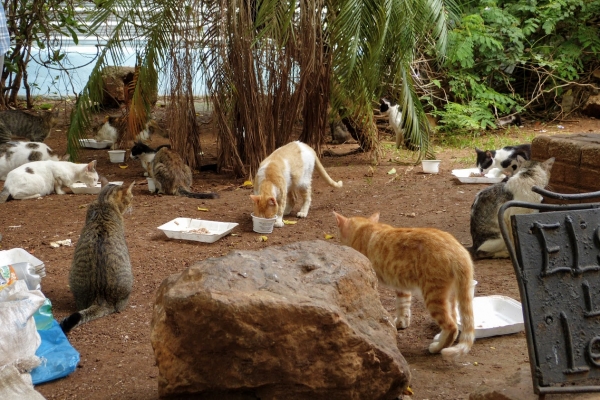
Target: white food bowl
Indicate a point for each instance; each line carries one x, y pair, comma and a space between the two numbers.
151, 185
116, 156
262, 225
197, 229
496, 315
80, 188
93, 144
464, 175
431, 166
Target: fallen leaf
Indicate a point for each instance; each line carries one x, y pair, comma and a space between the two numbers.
247, 184
408, 391
262, 238
328, 236
286, 222
392, 171
123, 166
202, 209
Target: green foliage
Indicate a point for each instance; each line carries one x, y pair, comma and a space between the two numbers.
501, 49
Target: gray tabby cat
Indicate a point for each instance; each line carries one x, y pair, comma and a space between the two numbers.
485, 229
18, 123
101, 279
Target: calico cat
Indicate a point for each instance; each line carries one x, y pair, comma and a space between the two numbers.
18, 123
39, 178
485, 230
489, 159
14, 154
284, 177
114, 128
419, 259
171, 175
394, 114
100, 278
144, 153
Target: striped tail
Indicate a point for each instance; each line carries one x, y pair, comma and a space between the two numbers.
464, 295
325, 175
81, 317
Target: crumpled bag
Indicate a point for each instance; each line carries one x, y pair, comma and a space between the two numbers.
19, 338
58, 356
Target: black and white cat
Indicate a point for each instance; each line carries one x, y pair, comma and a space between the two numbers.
485, 229
501, 159
15, 154
392, 111
39, 178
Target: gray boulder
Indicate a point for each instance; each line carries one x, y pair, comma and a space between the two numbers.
301, 321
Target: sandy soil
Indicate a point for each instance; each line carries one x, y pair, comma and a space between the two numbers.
117, 361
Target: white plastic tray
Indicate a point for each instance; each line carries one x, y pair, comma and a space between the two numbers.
93, 144
183, 228
496, 315
18, 255
80, 188
463, 176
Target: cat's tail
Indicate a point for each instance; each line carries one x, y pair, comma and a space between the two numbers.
210, 195
81, 317
326, 176
4, 195
464, 296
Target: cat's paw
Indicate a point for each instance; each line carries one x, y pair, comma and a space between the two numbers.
302, 214
435, 347
279, 223
402, 322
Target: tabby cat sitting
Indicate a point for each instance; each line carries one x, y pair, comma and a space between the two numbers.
100, 278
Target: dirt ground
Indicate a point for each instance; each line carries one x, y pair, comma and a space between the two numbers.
117, 360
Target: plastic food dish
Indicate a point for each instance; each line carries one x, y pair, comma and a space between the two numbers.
80, 188
431, 166
198, 230
463, 175
262, 225
93, 144
496, 315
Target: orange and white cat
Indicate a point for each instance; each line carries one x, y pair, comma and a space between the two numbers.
419, 259
285, 177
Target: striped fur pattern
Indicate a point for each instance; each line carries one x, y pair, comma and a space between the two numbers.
14, 154
114, 128
171, 175
423, 260
100, 278
485, 229
285, 177
22, 124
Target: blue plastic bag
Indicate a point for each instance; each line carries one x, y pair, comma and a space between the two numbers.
59, 358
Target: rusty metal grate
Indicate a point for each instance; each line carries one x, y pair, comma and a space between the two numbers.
556, 257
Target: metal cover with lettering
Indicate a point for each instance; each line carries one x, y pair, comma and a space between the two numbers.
558, 256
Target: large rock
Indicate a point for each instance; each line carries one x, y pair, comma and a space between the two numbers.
302, 321
591, 108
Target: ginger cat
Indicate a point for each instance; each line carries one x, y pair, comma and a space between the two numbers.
283, 177
419, 259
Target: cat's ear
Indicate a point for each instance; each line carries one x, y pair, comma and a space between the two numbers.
66, 157
255, 198
130, 189
521, 160
91, 167
477, 150
489, 154
340, 219
374, 218
103, 181
272, 201
548, 164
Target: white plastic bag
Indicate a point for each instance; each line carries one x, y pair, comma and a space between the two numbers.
19, 338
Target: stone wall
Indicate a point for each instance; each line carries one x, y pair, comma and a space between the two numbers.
577, 165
